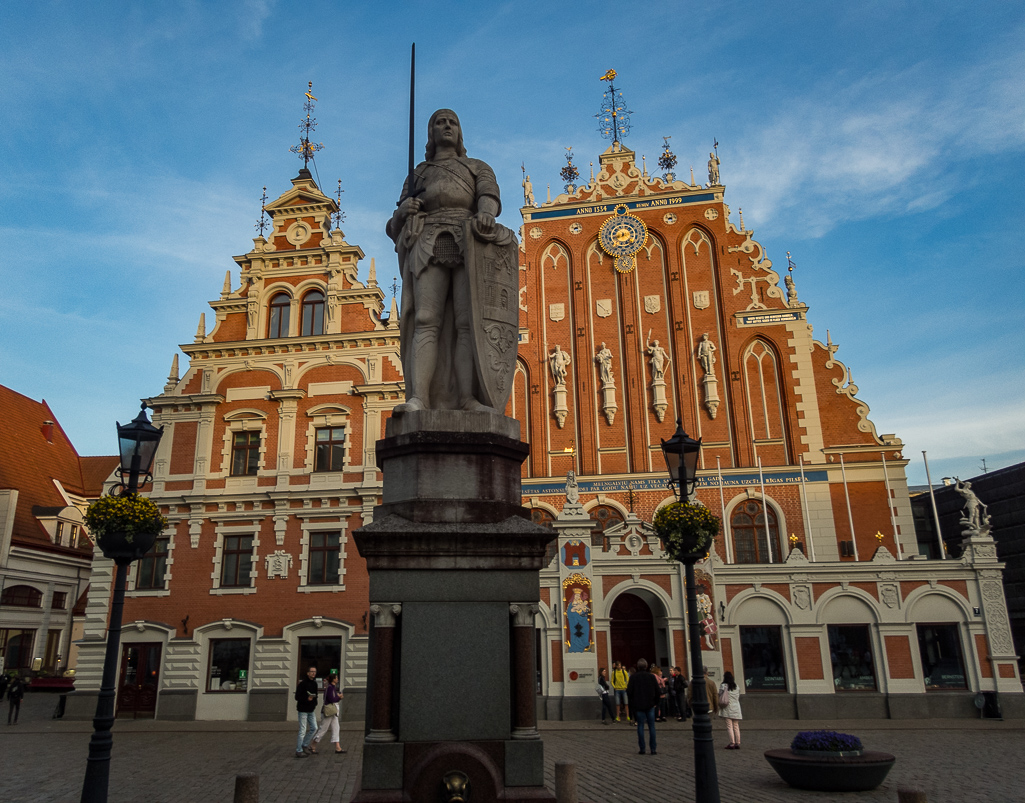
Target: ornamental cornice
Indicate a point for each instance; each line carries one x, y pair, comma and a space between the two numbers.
311, 345
197, 399
380, 389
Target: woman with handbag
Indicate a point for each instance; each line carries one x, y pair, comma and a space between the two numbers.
729, 709
329, 715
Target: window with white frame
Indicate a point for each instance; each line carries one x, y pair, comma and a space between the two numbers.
328, 438
244, 451
322, 563
236, 559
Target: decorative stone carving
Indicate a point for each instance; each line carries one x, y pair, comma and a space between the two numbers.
572, 489
883, 555
658, 362
889, 594
652, 304
976, 520
702, 299
996, 617
556, 312
278, 563
706, 357
603, 306
608, 388
528, 192
459, 319
801, 597
713, 169
558, 361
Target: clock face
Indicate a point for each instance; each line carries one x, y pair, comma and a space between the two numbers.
622, 235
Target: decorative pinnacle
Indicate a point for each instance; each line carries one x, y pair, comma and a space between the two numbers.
790, 263
569, 173
614, 117
339, 216
261, 224
667, 161
305, 149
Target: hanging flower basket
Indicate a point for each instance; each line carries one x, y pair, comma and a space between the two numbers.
125, 526
686, 530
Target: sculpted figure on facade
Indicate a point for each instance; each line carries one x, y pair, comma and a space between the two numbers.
659, 358
572, 490
604, 360
713, 169
458, 327
528, 192
559, 361
976, 513
706, 354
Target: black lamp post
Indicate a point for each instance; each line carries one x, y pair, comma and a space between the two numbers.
681, 454
138, 443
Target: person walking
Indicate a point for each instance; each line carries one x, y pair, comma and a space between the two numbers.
605, 693
643, 693
15, 691
729, 709
620, 679
306, 704
330, 713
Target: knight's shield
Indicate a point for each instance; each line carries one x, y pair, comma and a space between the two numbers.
494, 295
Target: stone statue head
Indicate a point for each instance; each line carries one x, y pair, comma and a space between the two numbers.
432, 145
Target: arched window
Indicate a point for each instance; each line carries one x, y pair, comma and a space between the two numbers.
749, 537
603, 517
23, 597
277, 323
313, 313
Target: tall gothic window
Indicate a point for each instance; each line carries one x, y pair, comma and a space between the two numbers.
751, 542
277, 322
313, 313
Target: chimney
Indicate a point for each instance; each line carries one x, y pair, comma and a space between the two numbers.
47, 430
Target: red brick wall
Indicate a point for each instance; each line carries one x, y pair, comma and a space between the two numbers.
898, 656
809, 657
982, 653
557, 661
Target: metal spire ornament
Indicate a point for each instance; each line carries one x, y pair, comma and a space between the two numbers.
305, 149
262, 223
339, 216
614, 117
667, 161
569, 173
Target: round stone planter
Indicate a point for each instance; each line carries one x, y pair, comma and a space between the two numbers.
831, 772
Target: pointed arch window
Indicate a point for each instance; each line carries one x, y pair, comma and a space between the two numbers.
313, 313
764, 396
752, 540
277, 320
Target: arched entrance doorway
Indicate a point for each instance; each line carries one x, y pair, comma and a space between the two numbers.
636, 631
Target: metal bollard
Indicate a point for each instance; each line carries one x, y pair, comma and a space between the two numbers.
247, 788
566, 782
911, 796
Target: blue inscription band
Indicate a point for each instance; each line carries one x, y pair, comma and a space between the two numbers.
608, 209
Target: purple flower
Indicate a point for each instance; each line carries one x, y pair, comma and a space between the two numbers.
826, 740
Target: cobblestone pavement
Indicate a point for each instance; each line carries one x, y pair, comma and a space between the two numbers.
43, 761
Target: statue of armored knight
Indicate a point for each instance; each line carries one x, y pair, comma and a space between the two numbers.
459, 320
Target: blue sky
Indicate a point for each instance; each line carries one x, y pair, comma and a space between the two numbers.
882, 143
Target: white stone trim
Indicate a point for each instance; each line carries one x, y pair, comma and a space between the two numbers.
755, 493
245, 421
133, 576
232, 528
341, 524
320, 417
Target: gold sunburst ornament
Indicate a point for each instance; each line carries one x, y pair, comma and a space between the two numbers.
621, 237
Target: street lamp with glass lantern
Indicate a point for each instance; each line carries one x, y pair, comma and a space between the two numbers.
681, 453
137, 443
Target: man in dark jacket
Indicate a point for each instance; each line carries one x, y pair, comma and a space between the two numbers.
306, 704
14, 694
680, 694
643, 692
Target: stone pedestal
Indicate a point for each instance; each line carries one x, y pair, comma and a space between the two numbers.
453, 561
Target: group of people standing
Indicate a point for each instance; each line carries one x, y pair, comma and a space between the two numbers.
644, 697
306, 694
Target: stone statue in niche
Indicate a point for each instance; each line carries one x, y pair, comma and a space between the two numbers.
559, 361
572, 491
604, 360
706, 354
976, 517
713, 169
659, 358
458, 332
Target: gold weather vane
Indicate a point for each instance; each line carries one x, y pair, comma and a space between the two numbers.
306, 149
614, 117
609, 76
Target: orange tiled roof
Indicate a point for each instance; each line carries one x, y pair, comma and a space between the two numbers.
30, 461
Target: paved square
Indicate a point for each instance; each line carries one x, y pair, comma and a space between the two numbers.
43, 761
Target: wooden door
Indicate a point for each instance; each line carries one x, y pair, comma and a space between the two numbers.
632, 630
140, 678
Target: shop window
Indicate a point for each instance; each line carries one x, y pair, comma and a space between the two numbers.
850, 651
942, 661
237, 561
748, 526
277, 320
245, 453
16, 648
323, 653
22, 597
153, 565
330, 444
762, 654
229, 665
602, 518
324, 552
313, 313
59, 601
